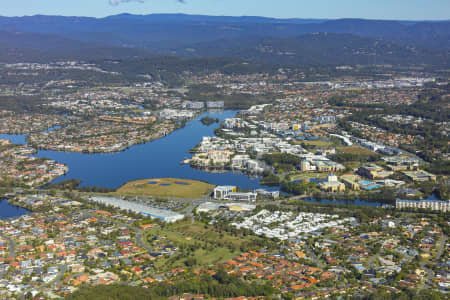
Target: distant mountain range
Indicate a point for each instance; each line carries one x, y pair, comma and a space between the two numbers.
318, 49
277, 41
15, 46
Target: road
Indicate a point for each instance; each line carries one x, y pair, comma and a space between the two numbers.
139, 238
430, 274
441, 246
11, 245
62, 271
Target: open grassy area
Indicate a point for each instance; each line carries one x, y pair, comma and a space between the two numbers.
166, 187
305, 176
318, 143
203, 243
356, 150
352, 164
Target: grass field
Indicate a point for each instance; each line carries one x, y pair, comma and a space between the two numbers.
305, 176
208, 246
352, 164
318, 143
166, 187
356, 150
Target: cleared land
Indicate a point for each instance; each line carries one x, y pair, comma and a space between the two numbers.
166, 187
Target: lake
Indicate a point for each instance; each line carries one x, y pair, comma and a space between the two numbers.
160, 158
9, 211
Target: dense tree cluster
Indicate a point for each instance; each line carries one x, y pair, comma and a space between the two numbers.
220, 285
282, 162
74, 184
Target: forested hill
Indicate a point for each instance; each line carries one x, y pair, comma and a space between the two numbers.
319, 49
177, 30
36, 47
293, 42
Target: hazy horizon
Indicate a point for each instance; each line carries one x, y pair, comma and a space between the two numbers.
401, 10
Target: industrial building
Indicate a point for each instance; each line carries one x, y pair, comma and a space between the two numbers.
165, 215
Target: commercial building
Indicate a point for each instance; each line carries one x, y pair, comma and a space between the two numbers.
209, 206
230, 193
268, 194
332, 184
215, 104
193, 105
401, 163
222, 191
249, 196
319, 163
351, 182
373, 171
328, 166
170, 114
372, 146
165, 215
420, 175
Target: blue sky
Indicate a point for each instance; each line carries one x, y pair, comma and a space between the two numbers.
370, 9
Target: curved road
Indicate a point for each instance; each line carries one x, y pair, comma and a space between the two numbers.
11, 245
430, 273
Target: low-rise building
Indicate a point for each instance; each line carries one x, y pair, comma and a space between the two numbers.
165, 215
332, 184
222, 191
420, 175
215, 104
248, 196
373, 171
268, 194
401, 163
351, 182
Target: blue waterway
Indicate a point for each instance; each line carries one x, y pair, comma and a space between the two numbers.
14, 138
9, 211
160, 158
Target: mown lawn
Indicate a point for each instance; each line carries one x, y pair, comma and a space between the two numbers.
166, 187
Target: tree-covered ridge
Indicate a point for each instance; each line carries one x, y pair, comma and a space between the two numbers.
220, 285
